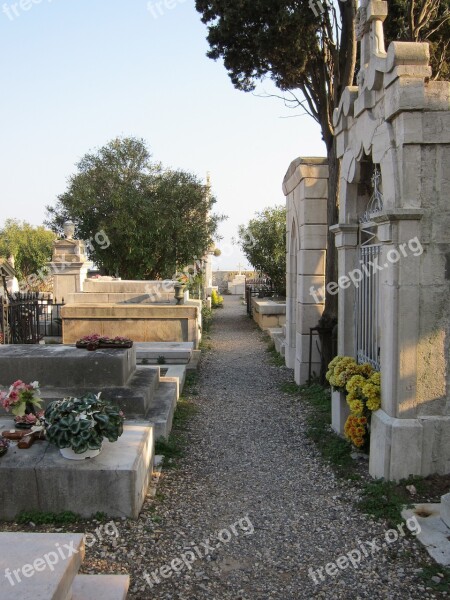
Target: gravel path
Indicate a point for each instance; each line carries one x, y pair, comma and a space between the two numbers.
253, 489
251, 512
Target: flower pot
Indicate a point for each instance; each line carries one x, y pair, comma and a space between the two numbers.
71, 455
179, 293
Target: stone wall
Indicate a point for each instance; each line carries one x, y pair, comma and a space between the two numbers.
306, 188
397, 121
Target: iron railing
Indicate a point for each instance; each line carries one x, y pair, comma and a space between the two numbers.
367, 308
262, 288
26, 318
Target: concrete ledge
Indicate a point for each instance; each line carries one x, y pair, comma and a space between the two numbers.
119, 286
163, 408
100, 587
267, 307
135, 398
18, 550
113, 298
403, 447
115, 482
140, 322
434, 533
65, 366
173, 352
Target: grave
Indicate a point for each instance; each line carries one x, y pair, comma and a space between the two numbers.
393, 142
267, 313
144, 311
114, 483
38, 574
29, 478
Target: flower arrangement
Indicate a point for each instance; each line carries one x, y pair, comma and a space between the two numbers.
94, 341
22, 398
362, 386
81, 423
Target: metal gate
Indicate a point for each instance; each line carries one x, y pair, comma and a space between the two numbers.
367, 308
20, 319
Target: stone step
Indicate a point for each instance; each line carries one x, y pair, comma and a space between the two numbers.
135, 398
274, 331
115, 482
100, 587
173, 352
39, 565
280, 343
163, 408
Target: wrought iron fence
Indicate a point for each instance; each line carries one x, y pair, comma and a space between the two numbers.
26, 318
262, 288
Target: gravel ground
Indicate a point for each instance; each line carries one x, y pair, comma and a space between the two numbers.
251, 507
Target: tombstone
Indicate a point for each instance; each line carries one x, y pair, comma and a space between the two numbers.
69, 265
393, 139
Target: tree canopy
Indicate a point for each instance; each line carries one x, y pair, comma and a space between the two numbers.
157, 220
263, 242
30, 246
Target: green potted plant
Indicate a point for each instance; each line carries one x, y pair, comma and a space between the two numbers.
77, 426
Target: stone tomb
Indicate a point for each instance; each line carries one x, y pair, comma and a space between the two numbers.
393, 140
116, 481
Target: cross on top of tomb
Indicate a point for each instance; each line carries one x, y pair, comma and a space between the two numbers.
370, 33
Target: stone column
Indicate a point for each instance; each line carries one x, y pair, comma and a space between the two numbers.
306, 189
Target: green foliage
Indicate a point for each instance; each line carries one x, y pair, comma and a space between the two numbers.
31, 247
275, 357
263, 242
161, 360
82, 423
207, 317
383, 500
216, 299
435, 570
157, 220
42, 518
334, 449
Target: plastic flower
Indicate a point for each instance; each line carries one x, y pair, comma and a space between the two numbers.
354, 383
357, 407
374, 404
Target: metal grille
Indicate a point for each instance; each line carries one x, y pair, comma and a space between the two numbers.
367, 309
28, 318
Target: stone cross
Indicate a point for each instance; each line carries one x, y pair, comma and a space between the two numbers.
369, 30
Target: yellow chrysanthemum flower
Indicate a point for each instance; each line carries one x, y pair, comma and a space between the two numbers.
357, 407
355, 382
373, 404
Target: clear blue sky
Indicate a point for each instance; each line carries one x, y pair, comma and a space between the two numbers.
77, 73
